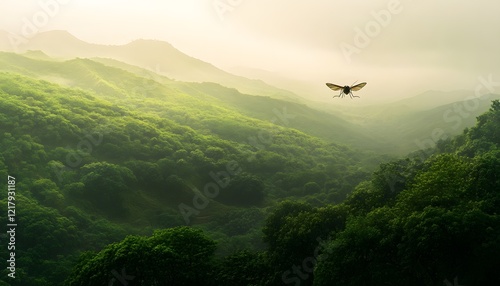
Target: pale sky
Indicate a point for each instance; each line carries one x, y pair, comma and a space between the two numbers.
405, 47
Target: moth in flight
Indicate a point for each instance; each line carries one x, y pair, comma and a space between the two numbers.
346, 90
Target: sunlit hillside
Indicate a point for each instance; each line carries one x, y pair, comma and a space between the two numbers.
102, 149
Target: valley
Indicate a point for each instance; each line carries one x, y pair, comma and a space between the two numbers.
142, 153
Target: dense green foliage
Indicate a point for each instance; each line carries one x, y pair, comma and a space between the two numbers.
106, 152
110, 166
417, 221
173, 256
442, 224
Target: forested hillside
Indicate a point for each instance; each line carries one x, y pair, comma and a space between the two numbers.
124, 176
105, 152
153, 55
428, 219
123, 84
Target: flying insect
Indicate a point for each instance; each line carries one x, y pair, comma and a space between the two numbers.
346, 90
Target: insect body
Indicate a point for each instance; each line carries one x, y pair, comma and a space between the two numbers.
344, 90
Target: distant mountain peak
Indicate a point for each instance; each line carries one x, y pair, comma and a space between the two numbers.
59, 35
153, 46
149, 41
432, 98
156, 55
36, 54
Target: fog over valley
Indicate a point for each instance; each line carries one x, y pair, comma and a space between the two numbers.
401, 48
263, 143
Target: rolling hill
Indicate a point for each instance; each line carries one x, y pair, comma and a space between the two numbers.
389, 128
402, 126
104, 151
157, 56
102, 148
116, 79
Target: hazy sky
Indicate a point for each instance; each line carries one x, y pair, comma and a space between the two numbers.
400, 48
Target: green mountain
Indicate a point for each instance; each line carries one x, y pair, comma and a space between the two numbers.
431, 99
110, 77
387, 128
103, 152
396, 128
418, 122
158, 56
427, 219
108, 162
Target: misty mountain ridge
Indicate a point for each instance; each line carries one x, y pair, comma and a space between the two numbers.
163, 58
434, 98
108, 149
158, 56
364, 126
117, 81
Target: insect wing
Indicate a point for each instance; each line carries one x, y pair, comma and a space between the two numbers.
358, 86
334, 86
